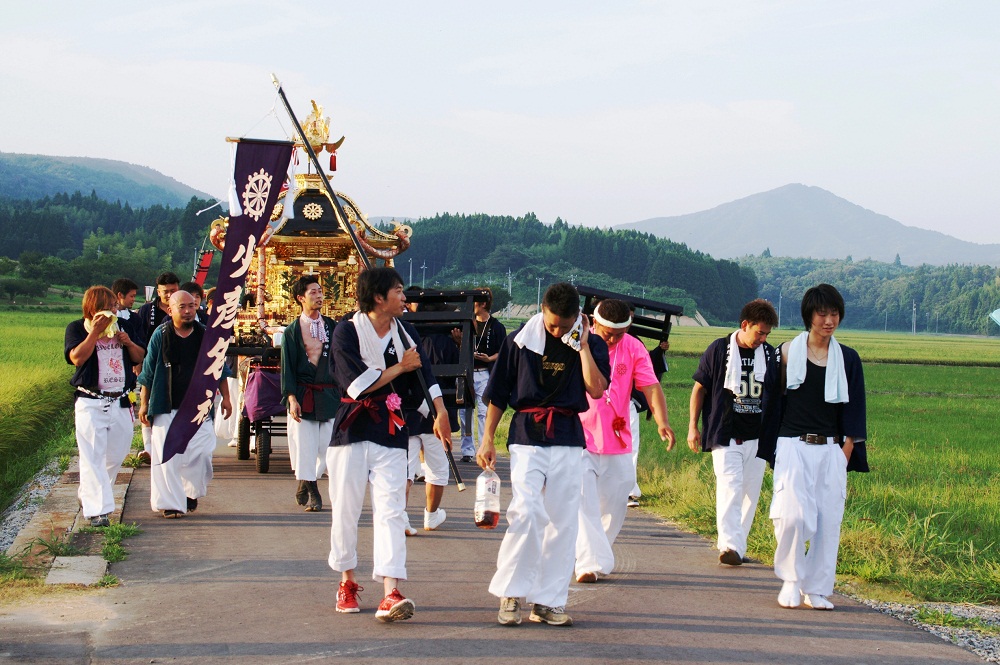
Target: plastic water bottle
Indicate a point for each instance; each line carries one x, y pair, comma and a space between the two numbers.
487, 510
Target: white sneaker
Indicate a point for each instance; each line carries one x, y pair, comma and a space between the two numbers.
231, 444
409, 530
434, 520
816, 601
791, 595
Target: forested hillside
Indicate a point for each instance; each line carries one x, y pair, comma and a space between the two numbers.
81, 240
37, 176
480, 248
882, 296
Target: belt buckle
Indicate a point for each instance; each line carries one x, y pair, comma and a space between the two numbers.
814, 439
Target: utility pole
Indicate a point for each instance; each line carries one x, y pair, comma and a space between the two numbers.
411, 273
510, 290
937, 320
914, 317
423, 280
538, 298
886, 329
780, 294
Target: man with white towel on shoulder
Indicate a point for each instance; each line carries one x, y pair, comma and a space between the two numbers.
545, 371
735, 380
376, 358
817, 435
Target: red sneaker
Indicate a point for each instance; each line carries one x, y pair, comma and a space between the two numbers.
347, 597
394, 608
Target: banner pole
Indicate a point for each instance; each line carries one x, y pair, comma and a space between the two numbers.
362, 256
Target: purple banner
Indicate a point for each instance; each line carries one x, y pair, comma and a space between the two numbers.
260, 170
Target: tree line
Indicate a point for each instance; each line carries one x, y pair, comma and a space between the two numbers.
479, 248
78, 240
884, 296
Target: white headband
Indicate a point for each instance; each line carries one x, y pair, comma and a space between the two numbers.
608, 324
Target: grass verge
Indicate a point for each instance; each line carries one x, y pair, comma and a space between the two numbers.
936, 617
922, 526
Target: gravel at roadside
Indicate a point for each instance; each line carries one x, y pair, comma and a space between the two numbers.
984, 645
27, 503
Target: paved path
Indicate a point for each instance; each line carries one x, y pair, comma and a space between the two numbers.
245, 580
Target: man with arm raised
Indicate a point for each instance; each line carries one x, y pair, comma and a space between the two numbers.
544, 371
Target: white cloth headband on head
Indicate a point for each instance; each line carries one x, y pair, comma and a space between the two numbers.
608, 324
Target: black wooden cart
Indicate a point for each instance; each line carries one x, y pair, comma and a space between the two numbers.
643, 324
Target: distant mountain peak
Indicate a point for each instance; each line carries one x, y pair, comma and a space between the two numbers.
798, 220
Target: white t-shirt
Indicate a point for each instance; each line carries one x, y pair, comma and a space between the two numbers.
110, 368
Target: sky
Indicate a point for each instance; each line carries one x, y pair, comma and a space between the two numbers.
596, 112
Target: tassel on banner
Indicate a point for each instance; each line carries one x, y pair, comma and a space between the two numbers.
333, 160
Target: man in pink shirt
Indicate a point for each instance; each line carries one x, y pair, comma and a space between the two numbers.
608, 474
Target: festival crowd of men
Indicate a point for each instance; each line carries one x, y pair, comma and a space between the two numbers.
356, 397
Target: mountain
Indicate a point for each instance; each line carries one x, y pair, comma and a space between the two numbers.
802, 221
37, 176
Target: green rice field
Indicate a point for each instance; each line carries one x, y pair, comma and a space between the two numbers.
924, 524
36, 412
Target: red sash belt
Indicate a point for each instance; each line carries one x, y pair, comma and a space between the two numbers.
540, 413
371, 405
308, 403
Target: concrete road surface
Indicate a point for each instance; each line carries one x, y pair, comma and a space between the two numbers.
245, 580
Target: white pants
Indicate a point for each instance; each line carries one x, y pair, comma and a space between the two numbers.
480, 378
536, 556
607, 480
226, 429
738, 475
435, 460
810, 488
307, 444
633, 423
351, 468
103, 439
186, 475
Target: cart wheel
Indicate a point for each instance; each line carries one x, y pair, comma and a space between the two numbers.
263, 450
243, 439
